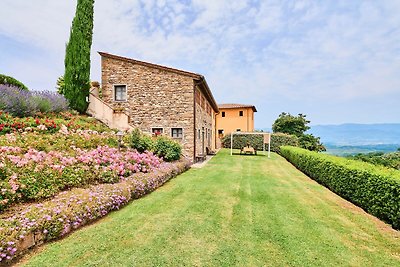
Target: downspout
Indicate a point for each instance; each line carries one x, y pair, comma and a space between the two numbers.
247, 111
194, 121
215, 130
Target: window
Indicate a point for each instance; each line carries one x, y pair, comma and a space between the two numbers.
120, 92
223, 113
237, 130
177, 132
221, 133
157, 131
241, 113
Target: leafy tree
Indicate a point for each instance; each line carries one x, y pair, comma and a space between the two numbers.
4, 79
289, 124
77, 56
310, 142
297, 126
60, 85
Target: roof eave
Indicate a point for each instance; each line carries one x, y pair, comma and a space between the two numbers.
151, 65
209, 94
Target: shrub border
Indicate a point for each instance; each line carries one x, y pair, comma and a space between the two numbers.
373, 188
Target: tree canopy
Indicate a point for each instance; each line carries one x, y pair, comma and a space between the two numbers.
289, 124
297, 125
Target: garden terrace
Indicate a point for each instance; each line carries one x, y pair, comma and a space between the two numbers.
34, 224
235, 211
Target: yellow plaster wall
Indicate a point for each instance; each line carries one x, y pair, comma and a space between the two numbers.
232, 121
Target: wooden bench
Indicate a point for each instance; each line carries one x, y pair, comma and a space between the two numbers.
201, 157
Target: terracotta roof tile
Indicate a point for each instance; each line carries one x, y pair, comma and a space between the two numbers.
231, 105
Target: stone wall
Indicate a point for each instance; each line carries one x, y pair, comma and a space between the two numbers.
204, 123
156, 98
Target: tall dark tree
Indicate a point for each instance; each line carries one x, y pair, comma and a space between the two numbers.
77, 56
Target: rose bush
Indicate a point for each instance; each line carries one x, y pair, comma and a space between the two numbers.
48, 123
34, 174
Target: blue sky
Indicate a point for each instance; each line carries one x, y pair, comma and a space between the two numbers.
335, 61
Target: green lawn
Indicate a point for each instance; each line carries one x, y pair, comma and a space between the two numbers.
236, 211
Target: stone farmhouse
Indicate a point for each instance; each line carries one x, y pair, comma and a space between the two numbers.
157, 100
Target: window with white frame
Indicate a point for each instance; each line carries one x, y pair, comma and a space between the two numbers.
120, 92
157, 131
176, 132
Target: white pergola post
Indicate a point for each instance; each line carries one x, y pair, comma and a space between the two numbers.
269, 145
231, 143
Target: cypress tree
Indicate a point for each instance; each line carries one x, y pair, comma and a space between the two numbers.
77, 56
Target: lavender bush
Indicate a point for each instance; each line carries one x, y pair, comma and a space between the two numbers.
23, 103
16, 101
50, 101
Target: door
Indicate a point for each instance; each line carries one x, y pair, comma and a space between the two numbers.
202, 141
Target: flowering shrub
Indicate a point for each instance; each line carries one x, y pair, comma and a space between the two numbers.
72, 209
22, 103
85, 139
37, 174
48, 124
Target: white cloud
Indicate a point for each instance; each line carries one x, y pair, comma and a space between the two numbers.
250, 51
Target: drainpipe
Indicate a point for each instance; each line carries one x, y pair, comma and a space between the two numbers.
194, 121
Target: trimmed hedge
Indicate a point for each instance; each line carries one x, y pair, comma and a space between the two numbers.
256, 141
373, 188
162, 146
4, 79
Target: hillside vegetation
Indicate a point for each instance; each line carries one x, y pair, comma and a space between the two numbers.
391, 160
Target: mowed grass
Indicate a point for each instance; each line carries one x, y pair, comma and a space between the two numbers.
236, 211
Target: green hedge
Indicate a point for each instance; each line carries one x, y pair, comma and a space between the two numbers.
373, 188
256, 141
162, 146
4, 79
167, 148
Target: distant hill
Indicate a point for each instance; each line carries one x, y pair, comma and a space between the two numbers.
358, 134
350, 139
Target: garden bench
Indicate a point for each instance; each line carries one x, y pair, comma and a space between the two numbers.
201, 157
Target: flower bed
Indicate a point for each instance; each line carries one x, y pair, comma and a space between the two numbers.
36, 174
85, 139
48, 123
70, 210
